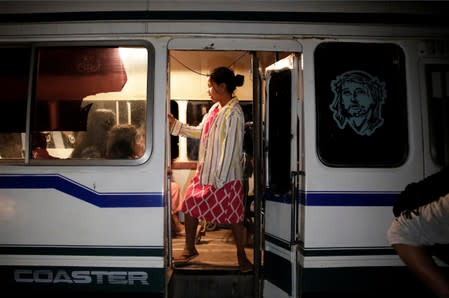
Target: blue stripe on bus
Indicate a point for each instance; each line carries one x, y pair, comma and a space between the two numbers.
339, 198
72, 188
123, 200
351, 198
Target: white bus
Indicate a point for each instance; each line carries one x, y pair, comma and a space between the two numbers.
346, 104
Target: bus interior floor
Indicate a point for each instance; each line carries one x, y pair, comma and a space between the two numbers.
216, 248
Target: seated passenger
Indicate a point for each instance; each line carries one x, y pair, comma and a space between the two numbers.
176, 206
122, 142
92, 142
39, 146
140, 142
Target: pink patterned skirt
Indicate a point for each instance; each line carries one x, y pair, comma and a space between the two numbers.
222, 206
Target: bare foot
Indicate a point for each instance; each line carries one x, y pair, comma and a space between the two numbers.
245, 265
186, 256
178, 230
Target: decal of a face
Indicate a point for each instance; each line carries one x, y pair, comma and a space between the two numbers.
358, 100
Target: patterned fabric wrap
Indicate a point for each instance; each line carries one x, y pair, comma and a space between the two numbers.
222, 205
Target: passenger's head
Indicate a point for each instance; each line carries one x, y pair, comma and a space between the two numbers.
99, 122
122, 142
39, 140
225, 75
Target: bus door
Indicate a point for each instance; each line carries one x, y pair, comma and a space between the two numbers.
282, 163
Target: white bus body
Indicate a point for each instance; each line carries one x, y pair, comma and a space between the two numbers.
324, 184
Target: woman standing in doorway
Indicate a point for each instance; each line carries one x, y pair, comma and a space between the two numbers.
215, 193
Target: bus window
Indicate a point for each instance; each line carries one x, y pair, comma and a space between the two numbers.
11, 146
83, 91
437, 79
195, 113
14, 78
174, 140
361, 105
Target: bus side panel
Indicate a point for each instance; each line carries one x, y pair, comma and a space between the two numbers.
57, 231
348, 209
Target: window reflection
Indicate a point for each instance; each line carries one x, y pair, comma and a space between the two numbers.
83, 92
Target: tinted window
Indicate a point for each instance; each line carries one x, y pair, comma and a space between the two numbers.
361, 104
195, 113
14, 79
437, 80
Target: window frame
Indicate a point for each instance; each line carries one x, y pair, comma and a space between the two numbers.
437, 139
148, 113
325, 99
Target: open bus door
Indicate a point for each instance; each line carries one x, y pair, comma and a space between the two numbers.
282, 162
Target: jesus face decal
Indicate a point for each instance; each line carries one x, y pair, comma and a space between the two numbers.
358, 100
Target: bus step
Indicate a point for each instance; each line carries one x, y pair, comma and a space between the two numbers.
210, 283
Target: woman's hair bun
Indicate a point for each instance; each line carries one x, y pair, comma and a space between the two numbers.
239, 79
